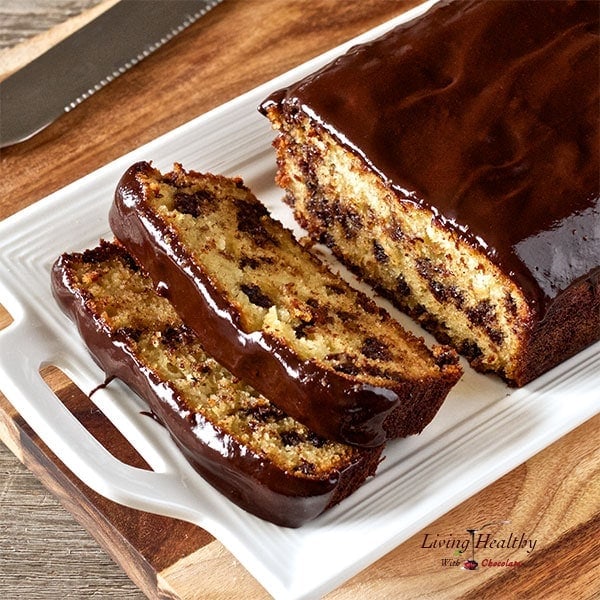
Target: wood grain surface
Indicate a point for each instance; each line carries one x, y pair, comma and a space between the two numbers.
554, 498
22, 20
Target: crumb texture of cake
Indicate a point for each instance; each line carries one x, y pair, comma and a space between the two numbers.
453, 165
244, 445
273, 314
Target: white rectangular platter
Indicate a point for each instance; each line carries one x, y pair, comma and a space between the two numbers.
483, 430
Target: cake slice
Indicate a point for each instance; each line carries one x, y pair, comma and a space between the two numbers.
453, 165
245, 446
270, 312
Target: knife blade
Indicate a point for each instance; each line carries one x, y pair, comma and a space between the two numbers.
71, 71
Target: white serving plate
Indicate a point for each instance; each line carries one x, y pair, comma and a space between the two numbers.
484, 429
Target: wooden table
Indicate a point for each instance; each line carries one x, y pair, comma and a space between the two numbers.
554, 497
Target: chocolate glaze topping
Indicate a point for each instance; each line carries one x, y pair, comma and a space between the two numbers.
486, 113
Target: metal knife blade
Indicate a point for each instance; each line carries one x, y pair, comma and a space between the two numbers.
75, 68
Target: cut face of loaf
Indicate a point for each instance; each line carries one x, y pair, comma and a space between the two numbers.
245, 446
438, 279
398, 248
269, 311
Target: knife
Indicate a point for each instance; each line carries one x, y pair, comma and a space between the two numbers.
72, 70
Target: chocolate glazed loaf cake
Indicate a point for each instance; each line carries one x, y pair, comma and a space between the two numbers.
271, 313
453, 164
250, 450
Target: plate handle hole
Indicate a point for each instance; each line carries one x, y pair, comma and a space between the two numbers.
91, 417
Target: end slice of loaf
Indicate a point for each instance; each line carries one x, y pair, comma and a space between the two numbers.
273, 314
245, 446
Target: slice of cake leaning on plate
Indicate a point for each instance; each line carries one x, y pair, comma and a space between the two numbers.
453, 164
273, 314
246, 447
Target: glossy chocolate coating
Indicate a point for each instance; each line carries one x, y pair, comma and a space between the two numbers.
486, 113
246, 478
330, 403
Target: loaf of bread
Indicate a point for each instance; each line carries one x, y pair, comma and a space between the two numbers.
245, 446
453, 164
269, 311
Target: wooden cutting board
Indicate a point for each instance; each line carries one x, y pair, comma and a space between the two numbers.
553, 498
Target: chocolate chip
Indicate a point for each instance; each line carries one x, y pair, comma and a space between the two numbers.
319, 315
256, 295
254, 262
320, 209
302, 329
418, 310
345, 316
249, 217
327, 239
444, 356
265, 412
195, 203
307, 163
438, 290
424, 268
429, 322
247, 261
470, 349
343, 363
368, 305
510, 304
335, 289
456, 295
379, 253
315, 439
402, 288
350, 221
348, 368
495, 335
175, 336
482, 313
290, 438
375, 349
